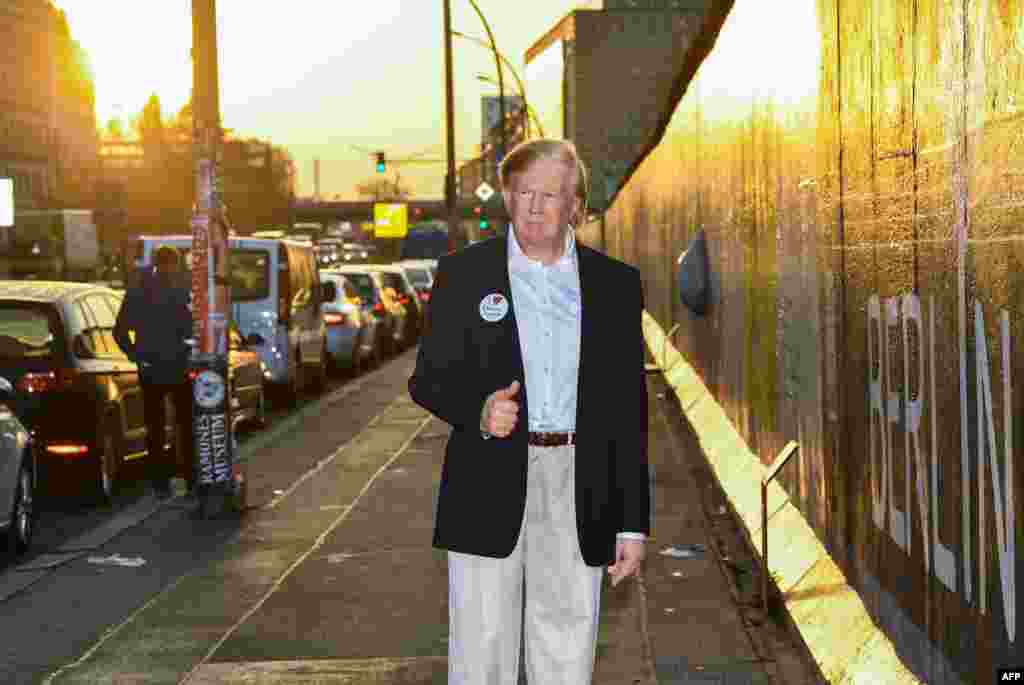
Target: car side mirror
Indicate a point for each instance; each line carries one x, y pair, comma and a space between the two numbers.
328, 291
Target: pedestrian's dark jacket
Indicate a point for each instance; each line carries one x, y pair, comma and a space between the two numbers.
156, 308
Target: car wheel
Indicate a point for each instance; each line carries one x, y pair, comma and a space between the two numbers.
109, 467
261, 408
320, 378
356, 367
23, 515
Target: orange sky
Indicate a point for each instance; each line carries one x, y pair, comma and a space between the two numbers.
324, 79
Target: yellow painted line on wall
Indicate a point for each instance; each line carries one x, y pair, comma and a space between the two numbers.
846, 643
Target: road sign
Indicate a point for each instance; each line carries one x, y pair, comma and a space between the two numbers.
6, 202
390, 220
484, 191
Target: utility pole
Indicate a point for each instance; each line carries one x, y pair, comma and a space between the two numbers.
449, 178
316, 179
219, 481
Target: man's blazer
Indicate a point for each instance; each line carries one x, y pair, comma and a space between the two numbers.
464, 357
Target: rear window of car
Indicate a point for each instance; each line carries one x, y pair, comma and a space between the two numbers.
26, 332
418, 277
364, 284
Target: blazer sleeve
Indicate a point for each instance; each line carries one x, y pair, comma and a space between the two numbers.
631, 469
442, 382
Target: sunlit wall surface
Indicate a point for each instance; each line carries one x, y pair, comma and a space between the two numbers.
856, 165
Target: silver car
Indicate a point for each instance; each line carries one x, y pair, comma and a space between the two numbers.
17, 476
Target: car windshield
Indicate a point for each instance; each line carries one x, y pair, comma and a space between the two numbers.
250, 272
25, 332
419, 277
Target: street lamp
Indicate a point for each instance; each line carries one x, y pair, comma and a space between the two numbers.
501, 78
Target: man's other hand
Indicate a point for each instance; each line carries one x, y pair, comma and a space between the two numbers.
500, 412
628, 556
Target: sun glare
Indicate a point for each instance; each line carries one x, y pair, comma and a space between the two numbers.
133, 54
749, 58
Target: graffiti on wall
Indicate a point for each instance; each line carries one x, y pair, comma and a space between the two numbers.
897, 414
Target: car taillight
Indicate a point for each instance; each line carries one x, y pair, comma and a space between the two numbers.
424, 297
334, 319
46, 381
379, 307
67, 449
404, 299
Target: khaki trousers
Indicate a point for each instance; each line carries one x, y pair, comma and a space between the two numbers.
542, 592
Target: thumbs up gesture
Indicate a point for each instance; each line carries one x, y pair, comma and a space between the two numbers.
501, 411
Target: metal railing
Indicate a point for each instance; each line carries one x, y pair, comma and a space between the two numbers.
788, 451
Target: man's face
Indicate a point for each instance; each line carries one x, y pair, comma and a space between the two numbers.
541, 201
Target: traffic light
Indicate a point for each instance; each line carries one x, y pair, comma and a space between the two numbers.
484, 223
380, 163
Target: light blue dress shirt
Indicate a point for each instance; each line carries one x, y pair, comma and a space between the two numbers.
548, 305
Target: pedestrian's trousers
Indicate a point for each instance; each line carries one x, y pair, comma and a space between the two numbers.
543, 592
161, 463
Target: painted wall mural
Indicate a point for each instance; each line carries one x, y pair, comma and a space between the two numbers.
857, 171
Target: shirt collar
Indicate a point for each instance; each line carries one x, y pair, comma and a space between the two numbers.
517, 257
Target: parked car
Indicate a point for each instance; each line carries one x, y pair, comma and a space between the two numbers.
421, 275
18, 476
349, 340
73, 387
247, 378
275, 295
377, 301
398, 285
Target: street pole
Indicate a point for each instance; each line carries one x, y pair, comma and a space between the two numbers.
449, 178
219, 482
500, 154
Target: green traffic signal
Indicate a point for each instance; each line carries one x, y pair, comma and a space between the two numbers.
380, 162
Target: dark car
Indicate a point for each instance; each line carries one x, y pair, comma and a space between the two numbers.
247, 374
397, 284
18, 475
377, 302
74, 388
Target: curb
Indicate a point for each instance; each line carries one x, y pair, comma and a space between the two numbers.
841, 637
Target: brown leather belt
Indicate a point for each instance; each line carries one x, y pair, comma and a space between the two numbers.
552, 439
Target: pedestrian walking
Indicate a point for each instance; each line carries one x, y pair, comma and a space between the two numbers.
152, 328
535, 357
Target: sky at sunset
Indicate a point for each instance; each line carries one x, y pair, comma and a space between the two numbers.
327, 80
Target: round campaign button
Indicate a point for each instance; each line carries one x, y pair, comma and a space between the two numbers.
493, 307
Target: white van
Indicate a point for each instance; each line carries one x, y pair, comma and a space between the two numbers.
275, 303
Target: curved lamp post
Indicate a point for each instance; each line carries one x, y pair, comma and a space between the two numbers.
501, 80
531, 112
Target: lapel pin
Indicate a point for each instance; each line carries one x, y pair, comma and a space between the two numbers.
493, 307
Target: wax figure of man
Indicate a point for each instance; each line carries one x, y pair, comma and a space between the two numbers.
156, 310
534, 356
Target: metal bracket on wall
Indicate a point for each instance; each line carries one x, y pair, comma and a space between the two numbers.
788, 451
656, 366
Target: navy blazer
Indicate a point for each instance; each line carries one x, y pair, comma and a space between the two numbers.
463, 359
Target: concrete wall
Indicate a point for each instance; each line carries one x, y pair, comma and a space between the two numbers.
856, 164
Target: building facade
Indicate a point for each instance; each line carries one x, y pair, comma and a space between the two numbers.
48, 138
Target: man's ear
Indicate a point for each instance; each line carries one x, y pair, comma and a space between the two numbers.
506, 197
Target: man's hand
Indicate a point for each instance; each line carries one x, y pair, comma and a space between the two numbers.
628, 555
500, 411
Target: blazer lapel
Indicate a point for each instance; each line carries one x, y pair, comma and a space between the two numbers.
588, 311
499, 266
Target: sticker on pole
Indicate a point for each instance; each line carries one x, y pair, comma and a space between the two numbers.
209, 389
6, 202
484, 191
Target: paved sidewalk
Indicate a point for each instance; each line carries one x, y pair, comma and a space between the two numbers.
335, 581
